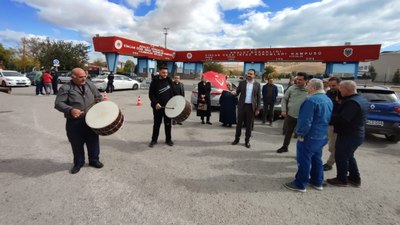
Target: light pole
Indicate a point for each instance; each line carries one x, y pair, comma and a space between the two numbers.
165, 33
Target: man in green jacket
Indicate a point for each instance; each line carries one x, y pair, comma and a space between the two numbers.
291, 103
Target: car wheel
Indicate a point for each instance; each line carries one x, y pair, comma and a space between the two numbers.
392, 138
3, 84
135, 87
59, 81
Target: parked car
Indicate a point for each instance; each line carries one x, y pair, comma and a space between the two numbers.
383, 111
278, 103
120, 82
12, 78
31, 76
215, 94
64, 76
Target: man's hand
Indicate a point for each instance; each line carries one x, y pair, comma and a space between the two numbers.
158, 106
76, 112
284, 114
257, 112
233, 92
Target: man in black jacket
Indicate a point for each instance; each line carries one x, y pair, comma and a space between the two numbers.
179, 89
160, 92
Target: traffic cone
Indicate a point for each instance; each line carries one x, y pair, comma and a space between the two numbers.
105, 97
139, 103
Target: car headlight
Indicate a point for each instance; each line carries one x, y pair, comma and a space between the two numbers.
9, 79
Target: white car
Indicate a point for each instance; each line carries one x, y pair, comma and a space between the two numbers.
120, 82
64, 77
12, 78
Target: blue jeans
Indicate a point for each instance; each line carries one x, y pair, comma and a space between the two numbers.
79, 133
309, 162
344, 157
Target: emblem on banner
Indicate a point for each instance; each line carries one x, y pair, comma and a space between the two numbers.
189, 55
348, 52
118, 44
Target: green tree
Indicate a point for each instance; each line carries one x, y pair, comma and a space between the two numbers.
69, 54
372, 72
269, 71
129, 66
396, 77
213, 66
6, 57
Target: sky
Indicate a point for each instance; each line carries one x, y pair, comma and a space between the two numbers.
205, 24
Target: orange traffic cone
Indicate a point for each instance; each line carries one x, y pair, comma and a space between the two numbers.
139, 103
105, 97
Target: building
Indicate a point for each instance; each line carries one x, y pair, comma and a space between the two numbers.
387, 64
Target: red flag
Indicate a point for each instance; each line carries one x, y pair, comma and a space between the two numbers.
217, 79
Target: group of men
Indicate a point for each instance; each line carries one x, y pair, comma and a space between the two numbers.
305, 106
47, 80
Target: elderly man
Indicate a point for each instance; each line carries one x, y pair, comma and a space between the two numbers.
74, 99
349, 124
312, 129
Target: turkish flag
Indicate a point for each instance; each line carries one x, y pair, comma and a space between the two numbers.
217, 79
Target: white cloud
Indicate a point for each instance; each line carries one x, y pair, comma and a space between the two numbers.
202, 24
136, 3
12, 38
240, 4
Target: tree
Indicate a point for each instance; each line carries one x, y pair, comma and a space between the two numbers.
129, 66
396, 77
269, 71
98, 62
372, 72
213, 66
6, 58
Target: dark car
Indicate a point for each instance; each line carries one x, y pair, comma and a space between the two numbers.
383, 111
31, 76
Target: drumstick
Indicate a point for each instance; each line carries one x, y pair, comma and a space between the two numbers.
165, 107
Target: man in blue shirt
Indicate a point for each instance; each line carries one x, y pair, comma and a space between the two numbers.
312, 129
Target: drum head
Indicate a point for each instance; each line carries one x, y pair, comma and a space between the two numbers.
175, 106
102, 114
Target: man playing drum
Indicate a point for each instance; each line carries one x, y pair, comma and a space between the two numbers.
160, 91
74, 99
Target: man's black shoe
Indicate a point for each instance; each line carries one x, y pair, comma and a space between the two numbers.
152, 143
179, 123
354, 182
75, 169
96, 164
327, 167
170, 143
247, 144
235, 142
209, 123
282, 149
202, 122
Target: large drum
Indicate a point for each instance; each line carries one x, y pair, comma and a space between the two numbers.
105, 118
178, 108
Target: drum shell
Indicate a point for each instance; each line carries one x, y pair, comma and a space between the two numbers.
104, 118
112, 128
185, 113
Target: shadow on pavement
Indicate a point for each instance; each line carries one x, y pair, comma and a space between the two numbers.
32, 167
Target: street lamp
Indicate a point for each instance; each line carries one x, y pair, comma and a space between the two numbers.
165, 33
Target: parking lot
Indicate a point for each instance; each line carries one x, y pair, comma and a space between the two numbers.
202, 179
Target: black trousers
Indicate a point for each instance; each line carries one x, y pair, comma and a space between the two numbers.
79, 134
290, 123
268, 112
247, 115
158, 115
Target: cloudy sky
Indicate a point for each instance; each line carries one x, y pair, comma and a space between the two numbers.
206, 24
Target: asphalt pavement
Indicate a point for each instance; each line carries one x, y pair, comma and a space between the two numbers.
202, 179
